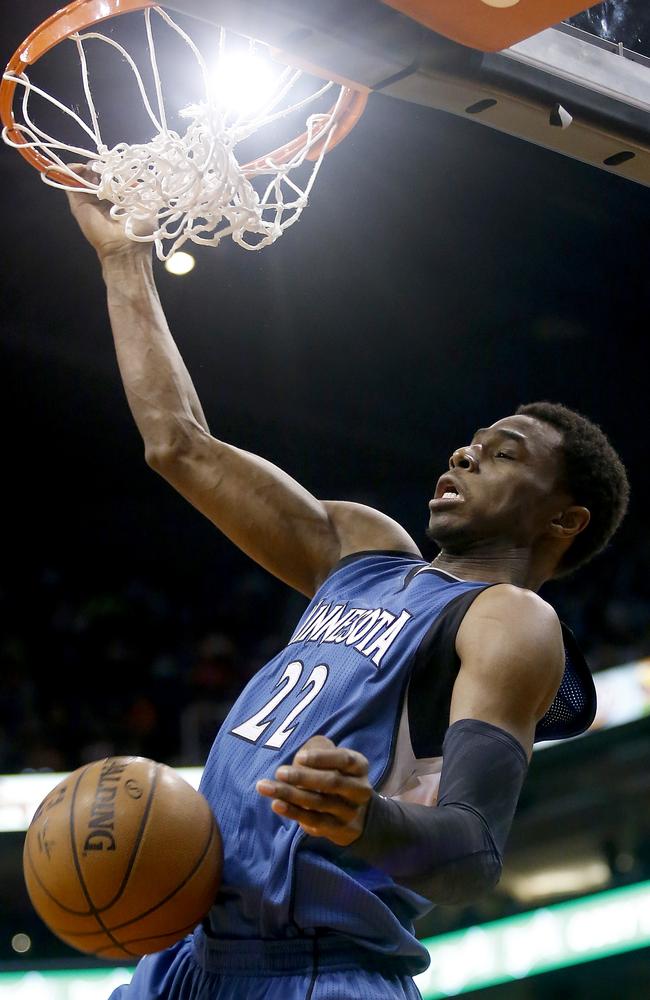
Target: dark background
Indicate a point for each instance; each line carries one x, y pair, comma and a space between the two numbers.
442, 275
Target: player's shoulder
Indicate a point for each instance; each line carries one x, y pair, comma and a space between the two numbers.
517, 625
516, 605
361, 528
511, 639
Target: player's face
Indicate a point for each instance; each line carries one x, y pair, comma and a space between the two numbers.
503, 487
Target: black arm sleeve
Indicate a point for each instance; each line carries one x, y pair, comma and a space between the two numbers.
451, 853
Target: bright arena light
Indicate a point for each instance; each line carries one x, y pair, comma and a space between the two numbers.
180, 263
21, 943
243, 81
586, 875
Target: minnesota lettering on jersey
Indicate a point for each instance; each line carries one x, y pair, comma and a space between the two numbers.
370, 631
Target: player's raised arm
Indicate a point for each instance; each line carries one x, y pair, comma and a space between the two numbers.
260, 508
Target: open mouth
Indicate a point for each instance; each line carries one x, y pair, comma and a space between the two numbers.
447, 491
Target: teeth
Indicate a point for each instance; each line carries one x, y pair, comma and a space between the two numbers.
448, 495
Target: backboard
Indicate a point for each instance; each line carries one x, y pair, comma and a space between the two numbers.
581, 88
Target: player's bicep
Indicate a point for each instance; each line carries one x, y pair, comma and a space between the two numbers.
512, 658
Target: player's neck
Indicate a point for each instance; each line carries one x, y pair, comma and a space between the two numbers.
513, 567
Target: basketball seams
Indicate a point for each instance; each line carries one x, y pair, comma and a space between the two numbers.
136, 845
82, 882
212, 836
176, 934
188, 877
62, 906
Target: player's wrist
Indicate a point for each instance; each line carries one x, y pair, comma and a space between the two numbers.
124, 261
374, 819
360, 822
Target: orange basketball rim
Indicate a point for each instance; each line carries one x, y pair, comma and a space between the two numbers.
83, 14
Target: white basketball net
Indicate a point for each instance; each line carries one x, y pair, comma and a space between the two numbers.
190, 186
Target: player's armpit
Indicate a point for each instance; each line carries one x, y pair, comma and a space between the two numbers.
451, 853
360, 528
512, 660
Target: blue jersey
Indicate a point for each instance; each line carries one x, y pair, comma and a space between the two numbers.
371, 665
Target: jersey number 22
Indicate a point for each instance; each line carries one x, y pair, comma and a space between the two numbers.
254, 728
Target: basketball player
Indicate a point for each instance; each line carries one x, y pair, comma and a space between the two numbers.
373, 767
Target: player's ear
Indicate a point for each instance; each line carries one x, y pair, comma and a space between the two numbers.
570, 522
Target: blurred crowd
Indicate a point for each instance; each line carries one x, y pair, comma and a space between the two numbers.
130, 666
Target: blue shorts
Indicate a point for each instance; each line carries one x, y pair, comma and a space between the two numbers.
304, 969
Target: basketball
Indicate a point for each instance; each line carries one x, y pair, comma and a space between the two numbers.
122, 858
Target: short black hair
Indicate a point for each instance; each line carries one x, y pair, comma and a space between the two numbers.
592, 473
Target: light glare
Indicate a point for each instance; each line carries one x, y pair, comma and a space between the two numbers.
242, 82
21, 943
561, 880
180, 263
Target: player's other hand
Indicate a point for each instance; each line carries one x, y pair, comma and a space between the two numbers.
103, 233
325, 789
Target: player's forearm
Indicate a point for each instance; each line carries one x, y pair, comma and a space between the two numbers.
446, 854
452, 853
158, 387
